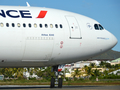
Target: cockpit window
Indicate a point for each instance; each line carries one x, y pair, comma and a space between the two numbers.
100, 27
96, 26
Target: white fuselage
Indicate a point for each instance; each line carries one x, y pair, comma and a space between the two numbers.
54, 38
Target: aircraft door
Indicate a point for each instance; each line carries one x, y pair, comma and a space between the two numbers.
74, 27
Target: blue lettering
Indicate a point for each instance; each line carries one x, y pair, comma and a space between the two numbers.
51, 34
102, 38
8, 13
44, 34
25, 14
16, 14
2, 14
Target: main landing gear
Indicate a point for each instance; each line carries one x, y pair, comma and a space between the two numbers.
56, 81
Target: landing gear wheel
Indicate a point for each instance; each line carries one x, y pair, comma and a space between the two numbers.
60, 83
56, 80
52, 83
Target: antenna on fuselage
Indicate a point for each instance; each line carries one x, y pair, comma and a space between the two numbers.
28, 5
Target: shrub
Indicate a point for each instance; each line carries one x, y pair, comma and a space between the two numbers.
32, 78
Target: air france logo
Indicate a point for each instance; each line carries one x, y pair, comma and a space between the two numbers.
20, 13
42, 14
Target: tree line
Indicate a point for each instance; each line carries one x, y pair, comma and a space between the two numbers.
89, 72
45, 72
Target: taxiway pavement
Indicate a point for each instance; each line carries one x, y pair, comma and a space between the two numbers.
47, 87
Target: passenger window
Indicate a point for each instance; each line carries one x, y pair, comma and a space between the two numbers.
1, 24
100, 27
7, 24
29, 25
96, 26
51, 25
46, 25
13, 25
40, 25
61, 26
35, 25
56, 25
24, 25
18, 24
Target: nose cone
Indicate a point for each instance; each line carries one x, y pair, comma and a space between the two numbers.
114, 40
106, 41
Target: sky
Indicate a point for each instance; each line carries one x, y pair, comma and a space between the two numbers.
106, 12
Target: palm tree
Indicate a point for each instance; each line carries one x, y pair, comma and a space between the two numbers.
108, 65
40, 73
7, 72
85, 67
76, 73
31, 71
18, 72
88, 71
12, 72
105, 72
96, 73
2, 71
102, 64
116, 66
92, 65
45, 72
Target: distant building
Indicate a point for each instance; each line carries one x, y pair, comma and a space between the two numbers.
115, 72
1, 77
100, 69
114, 62
81, 64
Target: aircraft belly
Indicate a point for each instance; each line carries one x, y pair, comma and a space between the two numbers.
21, 64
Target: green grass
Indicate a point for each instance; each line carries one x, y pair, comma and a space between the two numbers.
24, 82
46, 82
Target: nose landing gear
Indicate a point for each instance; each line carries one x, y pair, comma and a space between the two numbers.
56, 81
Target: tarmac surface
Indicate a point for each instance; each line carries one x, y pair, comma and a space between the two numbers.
47, 87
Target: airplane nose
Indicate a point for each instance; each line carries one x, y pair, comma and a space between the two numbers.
106, 43
114, 40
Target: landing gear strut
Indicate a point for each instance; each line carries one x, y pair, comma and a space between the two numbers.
56, 81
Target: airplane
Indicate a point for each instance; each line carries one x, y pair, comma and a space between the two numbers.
38, 37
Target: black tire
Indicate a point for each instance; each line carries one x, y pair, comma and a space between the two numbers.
60, 83
52, 83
